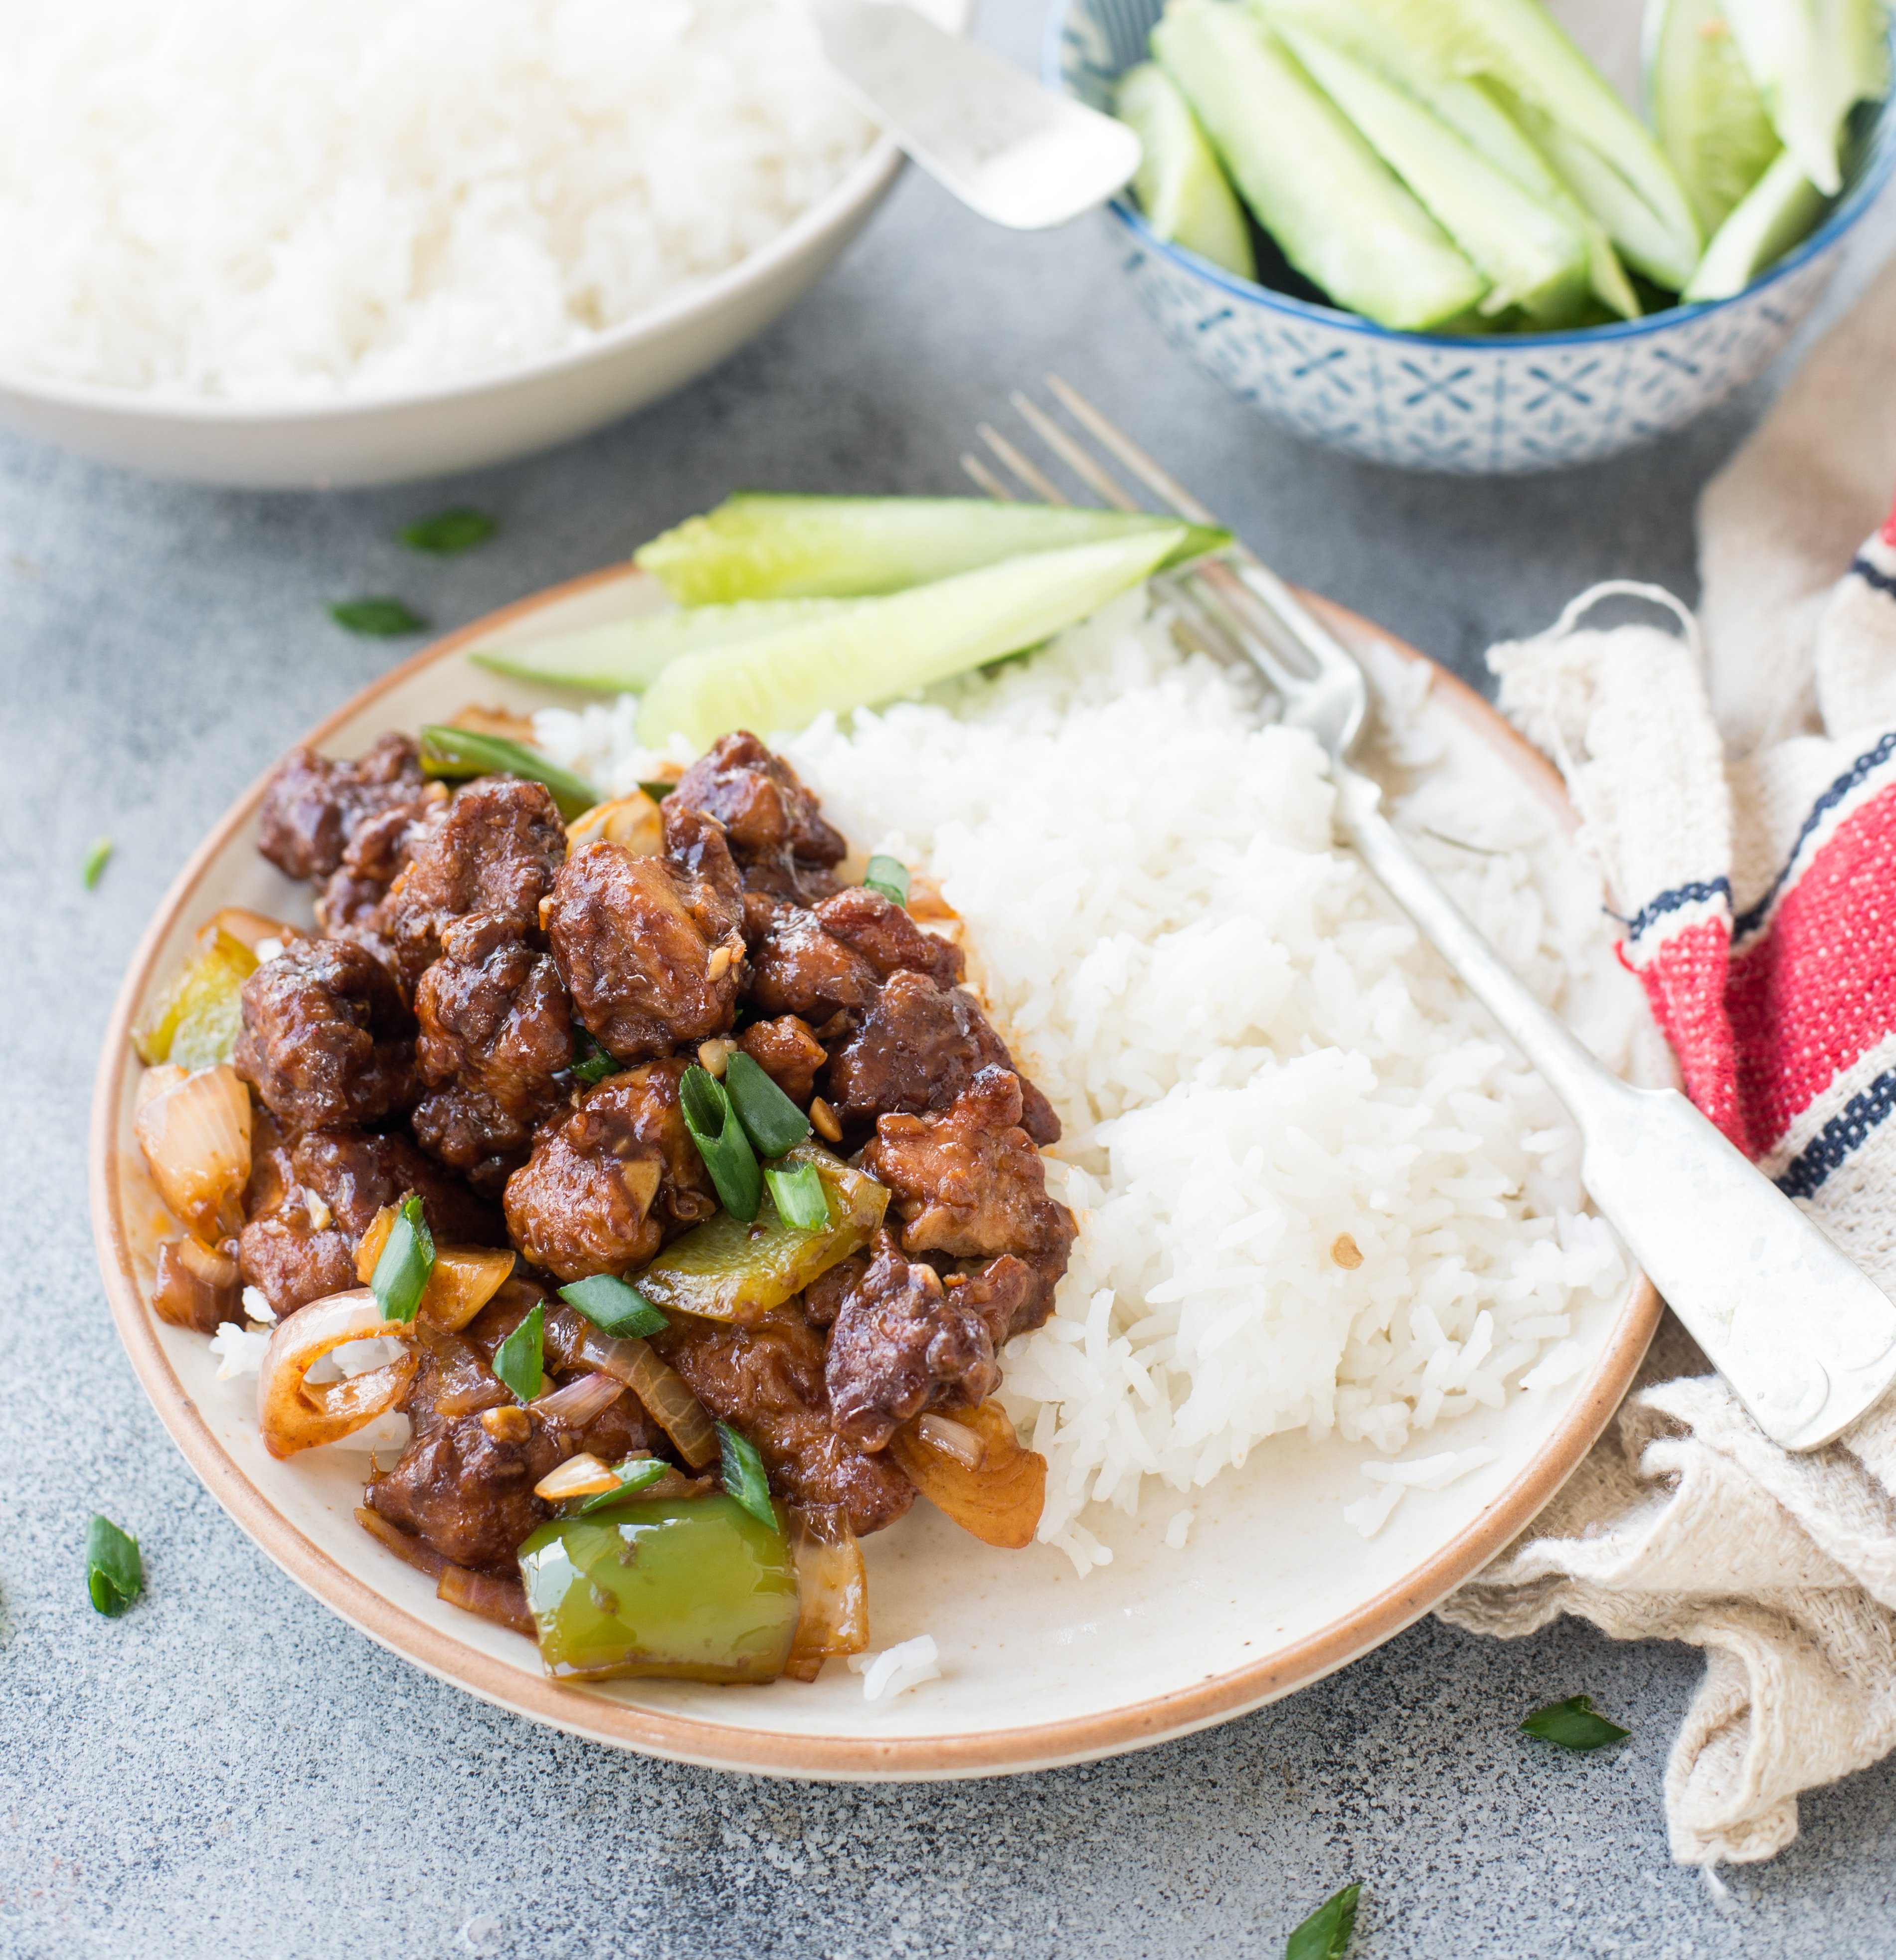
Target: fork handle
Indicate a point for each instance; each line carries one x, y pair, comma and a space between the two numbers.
1805, 1340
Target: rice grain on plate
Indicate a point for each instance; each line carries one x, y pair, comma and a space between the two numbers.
283, 200
1316, 1191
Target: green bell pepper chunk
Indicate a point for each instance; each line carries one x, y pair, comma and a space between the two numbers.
693, 1589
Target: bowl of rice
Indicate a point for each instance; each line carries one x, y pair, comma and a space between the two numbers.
1339, 1320
255, 243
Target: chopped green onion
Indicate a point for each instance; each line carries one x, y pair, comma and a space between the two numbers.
97, 853
519, 1360
634, 1474
721, 1142
658, 789
114, 1572
889, 876
408, 1258
379, 618
614, 1307
773, 1123
743, 1473
464, 752
1326, 1934
593, 1064
798, 1196
449, 531
1574, 1725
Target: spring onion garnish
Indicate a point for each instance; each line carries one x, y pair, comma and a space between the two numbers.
658, 789
1326, 1934
1574, 1725
408, 1258
519, 1360
591, 1062
743, 1473
613, 1307
721, 1142
456, 752
379, 618
634, 1474
773, 1123
889, 876
450, 532
798, 1193
94, 863
114, 1572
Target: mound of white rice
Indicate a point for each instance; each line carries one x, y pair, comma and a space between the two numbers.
1316, 1190
285, 200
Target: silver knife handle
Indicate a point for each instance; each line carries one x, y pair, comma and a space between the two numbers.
1806, 1341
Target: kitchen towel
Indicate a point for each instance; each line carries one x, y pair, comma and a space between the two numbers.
1736, 780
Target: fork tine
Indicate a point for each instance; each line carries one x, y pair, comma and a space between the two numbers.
1036, 480
1165, 487
986, 478
1080, 461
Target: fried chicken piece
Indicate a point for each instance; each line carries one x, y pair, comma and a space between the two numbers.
919, 1046
645, 975
496, 1027
313, 805
788, 1053
796, 968
775, 828
326, 1037
969, 1181
888, 938
310, 1200
608, 1183
353, 904
767, 1380
497, 851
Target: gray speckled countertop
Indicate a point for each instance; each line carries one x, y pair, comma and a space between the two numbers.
231, 1769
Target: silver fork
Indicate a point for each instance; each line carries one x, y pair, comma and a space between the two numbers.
1806, 1341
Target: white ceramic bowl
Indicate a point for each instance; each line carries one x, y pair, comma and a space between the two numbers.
1462, 404
479, 419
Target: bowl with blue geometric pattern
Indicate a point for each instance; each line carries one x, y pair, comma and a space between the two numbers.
1459, 404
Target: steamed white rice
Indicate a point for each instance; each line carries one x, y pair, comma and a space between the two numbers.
1263, 1073
287, 200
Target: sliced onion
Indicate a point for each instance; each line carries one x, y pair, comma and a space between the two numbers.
295, 1413
194, 1287
423, 1557
632, 822
194, 1131
581, 1476
1001, 1499
671, 1406
833, 1592
249, 929
952, 1439
579, 1402
502, 1601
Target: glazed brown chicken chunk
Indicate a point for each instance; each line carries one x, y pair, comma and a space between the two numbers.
882, 934
496, 853
646, 977
777, 832
796, 968
610, 1181
325, 1038
312, 806
788, 1053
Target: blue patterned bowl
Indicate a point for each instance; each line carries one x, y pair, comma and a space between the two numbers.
1461, 404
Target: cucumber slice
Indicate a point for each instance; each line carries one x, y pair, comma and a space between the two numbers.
1519, 43
1468, 108
1813, 60
1782, 206
1532, 259
627, 655
1335, 210
1184, 194
756, 546
881, 647
1709, 116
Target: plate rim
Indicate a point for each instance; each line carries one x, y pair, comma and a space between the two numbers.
831, 1757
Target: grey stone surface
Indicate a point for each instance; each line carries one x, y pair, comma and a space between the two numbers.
230, 1769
